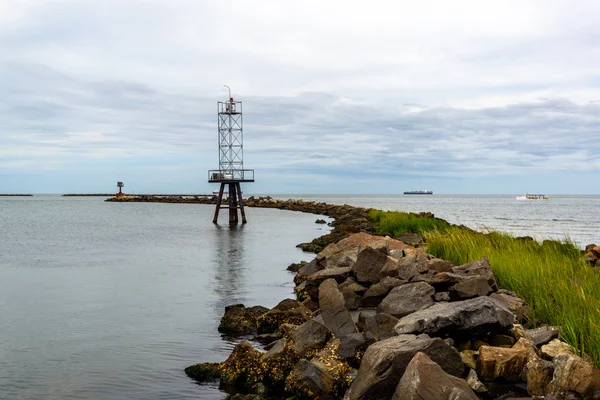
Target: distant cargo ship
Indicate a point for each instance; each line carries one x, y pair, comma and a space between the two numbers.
419, 192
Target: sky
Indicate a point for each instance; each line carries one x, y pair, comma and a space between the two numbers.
347, 97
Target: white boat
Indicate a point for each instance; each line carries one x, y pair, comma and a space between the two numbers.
528, 196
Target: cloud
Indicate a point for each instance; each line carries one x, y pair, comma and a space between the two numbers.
449, 96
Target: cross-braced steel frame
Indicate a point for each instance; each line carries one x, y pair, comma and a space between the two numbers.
231, 137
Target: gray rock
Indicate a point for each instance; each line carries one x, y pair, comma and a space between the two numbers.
350, 344
385, 362
439, 265
381, 325
374, 295
513, 303
478, 268
363, 315
310, 335
425, 380
276, 349
406, 299
391, 282
239, 319
474, 316
542, 335
441, 296
351, 299
468, 289
336, 316
411, 266
310, 379
368, 264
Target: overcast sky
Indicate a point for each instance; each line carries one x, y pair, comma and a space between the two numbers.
339, 96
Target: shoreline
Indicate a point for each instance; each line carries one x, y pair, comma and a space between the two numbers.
342, 363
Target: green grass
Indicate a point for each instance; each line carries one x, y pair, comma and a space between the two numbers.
552, 277
396, 222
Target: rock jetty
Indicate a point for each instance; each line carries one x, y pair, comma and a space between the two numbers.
376, 318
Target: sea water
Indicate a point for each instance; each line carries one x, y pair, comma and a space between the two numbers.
113, 300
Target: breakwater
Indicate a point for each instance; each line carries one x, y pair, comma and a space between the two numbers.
376, 318
19, 195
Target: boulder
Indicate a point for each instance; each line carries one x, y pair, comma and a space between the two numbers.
391, 282
555, 348
335, 315
573, 374
542, 335
439, 265
352, 345
514, 303
241, 320
205, 372
426, 380
385, 362
287, 311
478, 268
310, 379
538, 374
444, 280
351, 299
311, 335
344, 252
500, 362
381, 325
374, 295
412, 265
368, 264
474, 382
470, 288
441, 296
469, 358
473, 316
406, 299
313, 281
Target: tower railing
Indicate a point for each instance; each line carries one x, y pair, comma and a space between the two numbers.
236, 175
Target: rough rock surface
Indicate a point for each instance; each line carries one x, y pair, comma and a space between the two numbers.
542, 335
310, 335
475, 287
288, 311
573, 374
406, 299
478, 268
426, 380
239, 319
500, 362
335, 315
475, 316
368, 264
384, 363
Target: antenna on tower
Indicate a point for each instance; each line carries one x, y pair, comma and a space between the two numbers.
231, 158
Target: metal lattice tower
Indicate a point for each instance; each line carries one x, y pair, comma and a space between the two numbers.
231, 158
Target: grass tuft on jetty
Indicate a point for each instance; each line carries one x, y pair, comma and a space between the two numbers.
397, 222
552, 277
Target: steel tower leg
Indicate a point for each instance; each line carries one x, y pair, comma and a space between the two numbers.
241, 200
219, 199
233, 214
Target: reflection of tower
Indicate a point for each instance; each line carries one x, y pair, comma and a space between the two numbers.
231, 159
230, 286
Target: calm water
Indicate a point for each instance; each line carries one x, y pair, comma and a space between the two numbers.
111, 301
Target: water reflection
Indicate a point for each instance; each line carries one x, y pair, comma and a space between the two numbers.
230, 283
